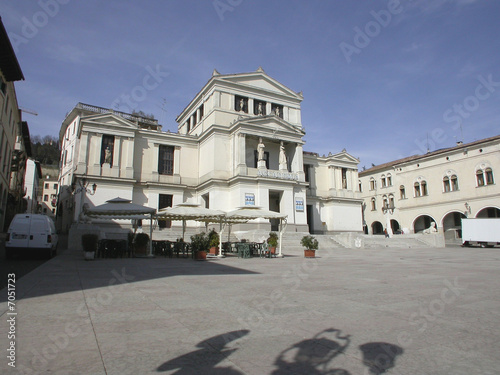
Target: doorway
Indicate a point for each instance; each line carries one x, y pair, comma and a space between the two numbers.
274, 205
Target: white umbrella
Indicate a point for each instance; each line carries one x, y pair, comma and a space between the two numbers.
120, 208
190, 211
247, 213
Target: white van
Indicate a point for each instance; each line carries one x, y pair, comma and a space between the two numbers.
31, 231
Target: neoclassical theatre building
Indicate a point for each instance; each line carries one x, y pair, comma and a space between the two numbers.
239, 142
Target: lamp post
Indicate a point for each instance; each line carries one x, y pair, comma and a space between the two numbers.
83, 188
388, 209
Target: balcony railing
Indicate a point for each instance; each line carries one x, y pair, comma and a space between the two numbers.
126, 116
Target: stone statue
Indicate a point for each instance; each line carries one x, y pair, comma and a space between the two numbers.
282, 155
242, 105
260, 149
107, 155
431, 229
259, 109
277, 111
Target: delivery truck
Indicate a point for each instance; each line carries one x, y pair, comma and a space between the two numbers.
481, 232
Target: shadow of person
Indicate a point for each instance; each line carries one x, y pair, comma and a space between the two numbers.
313, 356
380, 356
203, 361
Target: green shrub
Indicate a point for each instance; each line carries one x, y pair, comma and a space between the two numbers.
272, 241
309, 242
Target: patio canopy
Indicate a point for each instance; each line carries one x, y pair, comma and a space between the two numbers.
190, 211
120, 208
247, 213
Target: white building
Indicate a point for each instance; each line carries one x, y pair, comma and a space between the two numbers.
48, 198
239, 142
32, 178
440, 187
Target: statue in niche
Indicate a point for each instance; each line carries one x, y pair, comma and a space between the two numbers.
242, 105
260, 150
259, 109
282, 158
431, 229
277, 111
107, 155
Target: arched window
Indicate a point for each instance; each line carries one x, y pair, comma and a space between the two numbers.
360, 186
420, 188
446, 184
391, 201
402, 192
373, 184
450, 182
389, 179
489, 176
484, 176
382, 180
385, 201
374, 204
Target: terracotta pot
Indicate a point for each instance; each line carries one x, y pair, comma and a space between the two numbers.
201, 255
214, 250
89, 255
309, 253
272, 250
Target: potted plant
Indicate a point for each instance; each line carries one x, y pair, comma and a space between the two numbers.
272, 242
310, 246
89, 245
213, 238
199, 244
141, 242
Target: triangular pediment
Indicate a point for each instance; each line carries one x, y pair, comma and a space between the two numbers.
271, 123
344, 156
109, 119
259, 80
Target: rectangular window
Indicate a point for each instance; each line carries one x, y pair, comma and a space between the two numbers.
46, 185
166, 160
107, 146
45, 198
307, 172
55, 186
165, 200
201, 111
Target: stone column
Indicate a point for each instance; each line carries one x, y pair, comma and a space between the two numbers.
250, 106
268, 108
129, 157
154, 162
83, 153
241, 151
95, 153
115, 169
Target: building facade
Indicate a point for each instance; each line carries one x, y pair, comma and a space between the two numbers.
239, 142
435, 190
14, 135
48, 198
31, 183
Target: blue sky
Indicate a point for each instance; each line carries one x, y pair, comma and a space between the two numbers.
382, 79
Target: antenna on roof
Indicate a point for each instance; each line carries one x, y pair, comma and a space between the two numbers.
428, 143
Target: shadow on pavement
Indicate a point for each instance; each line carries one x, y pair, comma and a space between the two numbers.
313, 356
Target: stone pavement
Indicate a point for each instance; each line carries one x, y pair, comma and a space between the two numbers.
386, 311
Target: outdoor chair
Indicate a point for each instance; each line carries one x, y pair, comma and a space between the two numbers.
244, 250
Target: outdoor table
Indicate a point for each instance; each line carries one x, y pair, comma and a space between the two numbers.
244, 250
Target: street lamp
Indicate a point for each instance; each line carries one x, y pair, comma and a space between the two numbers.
388, 209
